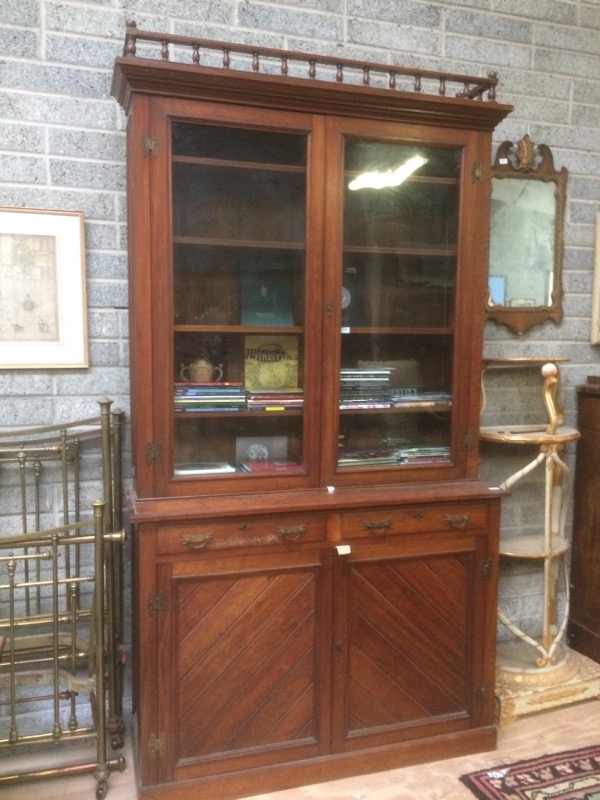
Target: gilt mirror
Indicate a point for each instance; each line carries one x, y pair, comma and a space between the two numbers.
526, 236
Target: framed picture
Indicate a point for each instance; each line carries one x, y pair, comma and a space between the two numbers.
43, 319
595, 332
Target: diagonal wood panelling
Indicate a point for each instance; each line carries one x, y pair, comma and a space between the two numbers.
398, 608
246, 661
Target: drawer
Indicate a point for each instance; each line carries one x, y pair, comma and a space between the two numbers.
413, 519
221, 534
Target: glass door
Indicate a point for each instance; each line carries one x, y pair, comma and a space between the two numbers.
239, 264
399, 271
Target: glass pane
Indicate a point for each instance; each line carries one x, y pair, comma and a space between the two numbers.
522, 257
239, 220
398, 298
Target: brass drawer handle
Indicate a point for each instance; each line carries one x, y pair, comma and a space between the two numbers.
457, 521
376, 526
292, 533
197, 542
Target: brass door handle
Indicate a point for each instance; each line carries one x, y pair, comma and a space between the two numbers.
291, 533
197, 542
457, 521
376, 526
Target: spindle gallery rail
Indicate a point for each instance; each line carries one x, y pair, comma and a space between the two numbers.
61, 658
261, 59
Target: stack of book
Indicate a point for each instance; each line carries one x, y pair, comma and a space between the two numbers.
209, 396
423, 455
281, 400
419, 398
365, 388
368, 457
384, 456
270, 465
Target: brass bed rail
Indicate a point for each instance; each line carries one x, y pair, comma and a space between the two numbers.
61, 586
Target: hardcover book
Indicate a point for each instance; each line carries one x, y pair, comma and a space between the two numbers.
271, 362
267, 298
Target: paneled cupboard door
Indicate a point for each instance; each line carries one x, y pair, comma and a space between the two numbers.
406, 640
243, 643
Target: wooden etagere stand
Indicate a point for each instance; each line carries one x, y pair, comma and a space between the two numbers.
536, 670
315, 557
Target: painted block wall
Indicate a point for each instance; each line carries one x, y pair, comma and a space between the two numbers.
62, 146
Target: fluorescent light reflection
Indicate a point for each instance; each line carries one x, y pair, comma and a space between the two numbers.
381, 180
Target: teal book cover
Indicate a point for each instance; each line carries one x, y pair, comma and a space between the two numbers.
267, 298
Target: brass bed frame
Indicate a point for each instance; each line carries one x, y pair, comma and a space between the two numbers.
61, 587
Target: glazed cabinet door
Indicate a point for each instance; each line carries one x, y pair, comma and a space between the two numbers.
244, 673
401, 382
236, 248
408, 638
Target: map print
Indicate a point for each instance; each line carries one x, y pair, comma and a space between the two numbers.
28, 288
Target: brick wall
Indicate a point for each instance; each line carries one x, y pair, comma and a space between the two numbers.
62, 147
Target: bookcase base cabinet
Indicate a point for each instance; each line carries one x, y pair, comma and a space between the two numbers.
277, 650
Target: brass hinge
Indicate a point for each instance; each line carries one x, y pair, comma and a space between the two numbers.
149, 144
477, 172
485, 568
156, 604
153, 452
157, 745
482, 692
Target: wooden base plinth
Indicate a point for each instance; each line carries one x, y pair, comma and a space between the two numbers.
524, 688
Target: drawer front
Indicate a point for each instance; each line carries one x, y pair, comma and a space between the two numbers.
377, 522
206, 535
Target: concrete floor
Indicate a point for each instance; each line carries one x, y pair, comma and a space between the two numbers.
561, 729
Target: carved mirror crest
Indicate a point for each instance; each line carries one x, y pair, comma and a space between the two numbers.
526, 236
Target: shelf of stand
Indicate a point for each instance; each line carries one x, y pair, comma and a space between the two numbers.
532, 546
527, 434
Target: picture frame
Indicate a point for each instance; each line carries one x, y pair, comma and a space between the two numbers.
595, 327
43, 323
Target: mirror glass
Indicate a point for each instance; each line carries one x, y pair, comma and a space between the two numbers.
526, 224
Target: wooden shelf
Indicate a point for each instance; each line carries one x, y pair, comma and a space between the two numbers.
527, 434
533, 546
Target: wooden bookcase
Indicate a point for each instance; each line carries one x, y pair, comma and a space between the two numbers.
315, 560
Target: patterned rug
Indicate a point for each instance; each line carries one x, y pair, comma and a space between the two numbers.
573, 775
